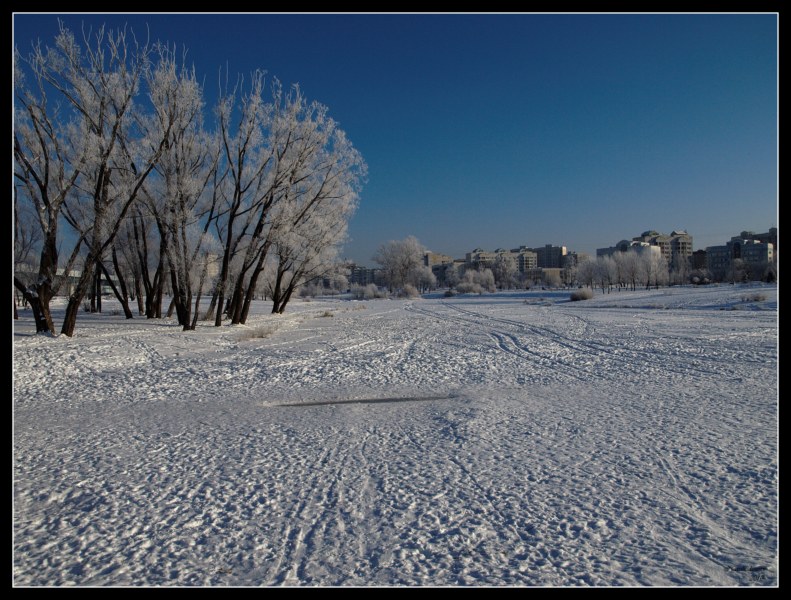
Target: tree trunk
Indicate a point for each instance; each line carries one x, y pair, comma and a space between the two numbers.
73, 307
212, 305
41, 314
226, 262
277, 293
92, 293
180, 301
235, 312
155, 291
124, 296
98, 287
287, 296
141, 307
259, 267
121, 298
197, 298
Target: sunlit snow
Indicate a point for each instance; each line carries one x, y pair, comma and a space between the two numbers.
508, 439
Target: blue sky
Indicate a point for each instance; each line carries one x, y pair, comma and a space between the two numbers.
506, 130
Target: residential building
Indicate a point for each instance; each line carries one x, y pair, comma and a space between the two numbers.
675, 248
770, 237
430, 259
699, 259
752, 253
363, 276
550, 257
480, 258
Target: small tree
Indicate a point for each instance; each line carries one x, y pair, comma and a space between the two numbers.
586, 272
504, 270
401, 261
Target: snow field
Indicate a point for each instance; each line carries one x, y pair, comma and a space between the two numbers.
515, 439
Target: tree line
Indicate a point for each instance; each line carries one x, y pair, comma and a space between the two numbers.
119, 175
404, 272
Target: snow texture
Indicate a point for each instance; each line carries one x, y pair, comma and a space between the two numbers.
508, 439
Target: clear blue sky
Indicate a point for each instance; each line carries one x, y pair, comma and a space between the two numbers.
506, 130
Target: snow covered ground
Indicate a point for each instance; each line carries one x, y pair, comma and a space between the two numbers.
513, 439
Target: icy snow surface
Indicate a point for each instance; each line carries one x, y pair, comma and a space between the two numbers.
511, 439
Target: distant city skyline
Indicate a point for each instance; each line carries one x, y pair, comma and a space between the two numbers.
521, 129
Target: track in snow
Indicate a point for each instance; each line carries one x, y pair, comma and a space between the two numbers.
437, 442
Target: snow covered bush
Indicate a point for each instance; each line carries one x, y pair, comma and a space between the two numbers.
581, 294
476, 282
409, 291
467, 287
368, 292
258, 333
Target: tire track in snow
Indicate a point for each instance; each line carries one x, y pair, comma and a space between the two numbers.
510, 344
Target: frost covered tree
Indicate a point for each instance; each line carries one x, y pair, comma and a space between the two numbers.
425, 280
27, 236
46, 169
605, 273
178, 194
286, 162
476, 281
401, 261
84, 98
307, 239
109, 139
629, 267
504, 270
653, 269
737, 271
315, 199
586, 272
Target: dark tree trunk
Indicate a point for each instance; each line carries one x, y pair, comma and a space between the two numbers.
73, 307
155, 291
121, 298
141, 307
92, 294
235, 310
180, 301
226, 262
254, 282
43, 325
212, 306
276, 292
198, 293
286, 298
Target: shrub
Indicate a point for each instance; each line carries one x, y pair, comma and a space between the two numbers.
409, 291
369, 292
260, 332
467, 287
581, 294
754, 298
